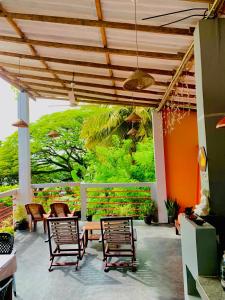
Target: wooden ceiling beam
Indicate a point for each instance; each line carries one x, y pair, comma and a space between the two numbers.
76, 74
99, 23
95, 85
109, 101
90, 64
104, 40
104, 50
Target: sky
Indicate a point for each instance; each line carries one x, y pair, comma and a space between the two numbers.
8, 109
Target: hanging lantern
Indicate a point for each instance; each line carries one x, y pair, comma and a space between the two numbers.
20, 124
132, 132
138, 80
133, 117
53, 134
221, 123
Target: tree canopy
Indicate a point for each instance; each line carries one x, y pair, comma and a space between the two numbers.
92, 145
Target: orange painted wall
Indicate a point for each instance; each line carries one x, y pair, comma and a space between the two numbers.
181, 161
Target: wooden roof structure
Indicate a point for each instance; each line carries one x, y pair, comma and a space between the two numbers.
43, 42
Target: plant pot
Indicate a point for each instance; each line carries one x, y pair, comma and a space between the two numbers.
89, 218
148, 219
22, 225
78, 214
171, 219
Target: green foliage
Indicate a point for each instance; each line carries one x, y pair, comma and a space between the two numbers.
172, 207
20, 214
149, 208
7, 226
7, 201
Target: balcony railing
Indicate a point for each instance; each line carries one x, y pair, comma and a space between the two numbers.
97, 199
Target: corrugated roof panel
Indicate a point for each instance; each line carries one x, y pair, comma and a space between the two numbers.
76, 55
123, 11
126, 39
62, 33
66, 8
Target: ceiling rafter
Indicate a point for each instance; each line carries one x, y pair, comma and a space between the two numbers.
91, 64
98, 23
104, 41
16, 82
23, 37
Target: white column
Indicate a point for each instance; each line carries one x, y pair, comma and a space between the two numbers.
24, 150
159, 166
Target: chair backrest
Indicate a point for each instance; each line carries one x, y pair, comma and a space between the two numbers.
59, 209
35, 210
64, 230
117, 231
6, 243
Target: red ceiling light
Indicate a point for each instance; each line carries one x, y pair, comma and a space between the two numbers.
221, 123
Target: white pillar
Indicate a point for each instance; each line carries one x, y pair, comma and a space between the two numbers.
159, 166
24, 150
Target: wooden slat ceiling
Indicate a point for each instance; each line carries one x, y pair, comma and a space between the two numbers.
43, 42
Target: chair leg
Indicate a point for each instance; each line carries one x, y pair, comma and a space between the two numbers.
44, 225
14, 286
50, 268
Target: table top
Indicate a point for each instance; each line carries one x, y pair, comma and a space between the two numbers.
92, 226
7, 265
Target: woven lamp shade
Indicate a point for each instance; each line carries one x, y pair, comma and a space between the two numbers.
20, 124
133, 117
132, 132
221, 123
53, 134
138, 80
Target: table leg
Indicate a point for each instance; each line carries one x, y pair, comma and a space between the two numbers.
86, 238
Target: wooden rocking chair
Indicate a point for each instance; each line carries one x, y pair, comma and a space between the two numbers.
68, 241
118, 241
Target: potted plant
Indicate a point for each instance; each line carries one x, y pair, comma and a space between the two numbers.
20, 216
172, 209
148, 211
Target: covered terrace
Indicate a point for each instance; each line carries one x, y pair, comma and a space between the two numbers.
82, 52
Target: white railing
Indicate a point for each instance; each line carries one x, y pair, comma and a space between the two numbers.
83, 200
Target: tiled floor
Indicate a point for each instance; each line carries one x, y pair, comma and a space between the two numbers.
159, 274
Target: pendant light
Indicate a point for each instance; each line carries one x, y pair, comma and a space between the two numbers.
20, 124
133, 117
53, 134
132, 132
138, 80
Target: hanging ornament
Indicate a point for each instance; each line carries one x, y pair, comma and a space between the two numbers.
132, 132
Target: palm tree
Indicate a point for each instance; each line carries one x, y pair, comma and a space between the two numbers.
110, 120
